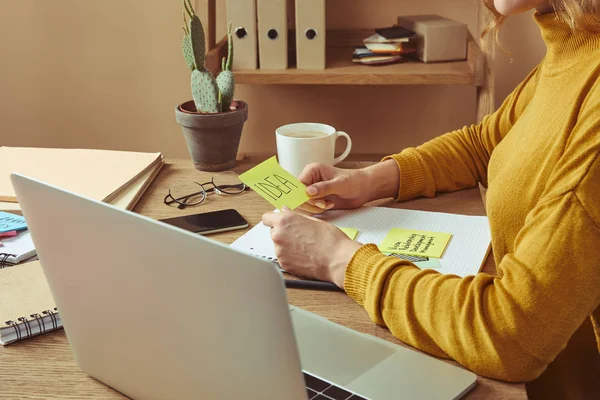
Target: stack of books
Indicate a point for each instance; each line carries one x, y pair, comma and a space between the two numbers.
116, 177
386, 46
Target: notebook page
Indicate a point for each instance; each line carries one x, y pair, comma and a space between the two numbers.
464, 255
24, 291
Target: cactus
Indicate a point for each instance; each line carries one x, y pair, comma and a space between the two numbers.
226, 80
205, 92
210, 95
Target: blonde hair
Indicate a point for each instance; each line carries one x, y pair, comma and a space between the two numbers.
578, 14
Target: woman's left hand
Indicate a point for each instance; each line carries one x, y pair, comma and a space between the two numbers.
308, 247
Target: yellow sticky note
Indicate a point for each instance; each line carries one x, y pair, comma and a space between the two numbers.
350, 232
415, 243
275, 184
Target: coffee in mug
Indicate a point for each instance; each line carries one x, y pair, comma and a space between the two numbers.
304, 143
306, 135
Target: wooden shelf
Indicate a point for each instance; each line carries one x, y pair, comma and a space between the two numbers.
342, 71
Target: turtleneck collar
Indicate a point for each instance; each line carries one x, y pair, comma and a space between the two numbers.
565, 47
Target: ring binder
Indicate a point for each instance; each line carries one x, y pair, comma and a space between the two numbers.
52, 314
40, 322
272, 259
4, 259
28, 308
25, 323
15, 326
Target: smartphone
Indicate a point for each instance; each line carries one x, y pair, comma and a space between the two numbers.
210, 222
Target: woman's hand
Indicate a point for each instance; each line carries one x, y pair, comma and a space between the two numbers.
308, 247
330, 187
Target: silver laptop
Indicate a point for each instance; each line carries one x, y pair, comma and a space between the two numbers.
160, 313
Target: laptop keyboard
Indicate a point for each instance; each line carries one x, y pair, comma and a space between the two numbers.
318, 389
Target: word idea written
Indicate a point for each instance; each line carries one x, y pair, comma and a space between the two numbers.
275, 184
415, 243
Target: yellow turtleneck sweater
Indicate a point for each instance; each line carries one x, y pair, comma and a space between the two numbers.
538, 157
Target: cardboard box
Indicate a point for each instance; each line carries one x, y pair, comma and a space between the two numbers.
438, 38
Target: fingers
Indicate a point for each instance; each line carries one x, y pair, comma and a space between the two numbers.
322, 189
324, 204
270, 219
317, 172
310, 209
321, 181
316, 206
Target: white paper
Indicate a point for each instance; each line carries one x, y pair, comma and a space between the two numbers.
21, 246
465, 254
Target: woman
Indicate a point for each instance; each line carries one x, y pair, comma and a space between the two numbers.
538, 156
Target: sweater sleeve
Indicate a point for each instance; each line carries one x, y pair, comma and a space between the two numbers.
459, 159
509, 327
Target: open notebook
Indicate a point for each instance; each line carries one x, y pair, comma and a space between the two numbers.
465, 254
27, 307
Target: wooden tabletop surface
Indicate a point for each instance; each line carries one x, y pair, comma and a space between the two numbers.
44, 368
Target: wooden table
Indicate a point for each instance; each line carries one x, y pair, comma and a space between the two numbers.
44, 368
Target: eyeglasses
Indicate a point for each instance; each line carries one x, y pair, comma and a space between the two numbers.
194, 193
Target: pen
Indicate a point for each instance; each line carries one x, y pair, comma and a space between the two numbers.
311, 285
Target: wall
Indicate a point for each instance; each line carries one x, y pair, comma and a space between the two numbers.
108, 75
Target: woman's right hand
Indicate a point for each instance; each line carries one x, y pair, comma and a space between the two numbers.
330, 187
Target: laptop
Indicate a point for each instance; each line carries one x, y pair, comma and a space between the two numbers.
157, 312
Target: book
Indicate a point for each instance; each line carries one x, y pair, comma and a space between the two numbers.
395, 32
392, 41
464, 255
10, 206
380, 39
377, 60
16, 249
97, 174
126, 198
365, 56
400, 48
27, 307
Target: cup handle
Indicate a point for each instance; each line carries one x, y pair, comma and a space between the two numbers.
348, 147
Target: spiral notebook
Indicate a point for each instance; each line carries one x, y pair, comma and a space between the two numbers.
16, 249
27, 307
465, 254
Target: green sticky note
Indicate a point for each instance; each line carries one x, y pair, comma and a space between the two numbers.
415, 242
351, 232
275, 184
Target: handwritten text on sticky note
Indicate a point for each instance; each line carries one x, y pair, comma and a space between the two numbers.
11, 222
416, 243
275, 184
350, 232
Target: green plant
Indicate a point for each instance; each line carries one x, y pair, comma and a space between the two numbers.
210, 95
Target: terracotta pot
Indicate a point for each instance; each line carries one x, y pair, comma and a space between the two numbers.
212, 139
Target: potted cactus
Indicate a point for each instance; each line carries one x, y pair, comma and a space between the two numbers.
212, 122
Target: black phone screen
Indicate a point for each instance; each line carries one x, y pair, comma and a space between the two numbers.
210, 222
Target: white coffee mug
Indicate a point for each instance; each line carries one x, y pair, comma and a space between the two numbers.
303, 143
